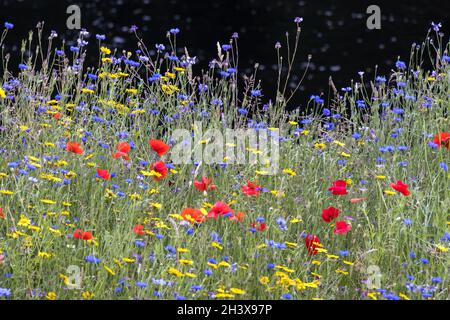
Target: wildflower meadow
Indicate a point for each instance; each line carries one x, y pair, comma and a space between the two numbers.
145, 177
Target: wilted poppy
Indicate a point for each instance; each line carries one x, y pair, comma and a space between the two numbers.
159, 147
161, 170
442, 139
338, 188
356, 200
251, 189
330, 214
192, 215
401, 187
342, 227
74, 147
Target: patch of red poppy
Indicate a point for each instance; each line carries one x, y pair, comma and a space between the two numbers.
312, 243
160, 168
74, 147
103, 174
259, 226
251, 189
139, 229
342, 227
339, 188
239, 216
2, 215
82, 235
192, 215
330, 214
123, 148
442, 139
219, 209
159, 147
401, 187
204, 185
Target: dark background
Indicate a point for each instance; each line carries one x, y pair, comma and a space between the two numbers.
334, 32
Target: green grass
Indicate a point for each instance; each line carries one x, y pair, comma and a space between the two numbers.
379, 239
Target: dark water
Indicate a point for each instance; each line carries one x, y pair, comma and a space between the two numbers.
334, 32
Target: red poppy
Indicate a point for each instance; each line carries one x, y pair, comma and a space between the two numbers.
190, 214
204, 185
442, 139
103, 174
219, 208
74, 147
330, 214
160, 168
159, 147
401, 187
239, 216
251, 189
82, 235
57, 116
342, 227
312, 243
338, 188
139, 229
2, 215
259, 226
123, 148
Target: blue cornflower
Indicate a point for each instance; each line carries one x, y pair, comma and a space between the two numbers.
141, 284
139, 243
100, 36
226, 47
407, 222
92, 259
4, 292
208, 272
400, 65
256, 93
171, 249
9, 25
287, 296
344, 253
436, 280
196, 288
160, 47
174, 30
329, 126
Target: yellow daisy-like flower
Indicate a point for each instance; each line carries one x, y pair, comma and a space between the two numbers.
237, 291
105, 50
51, 295
264, 280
